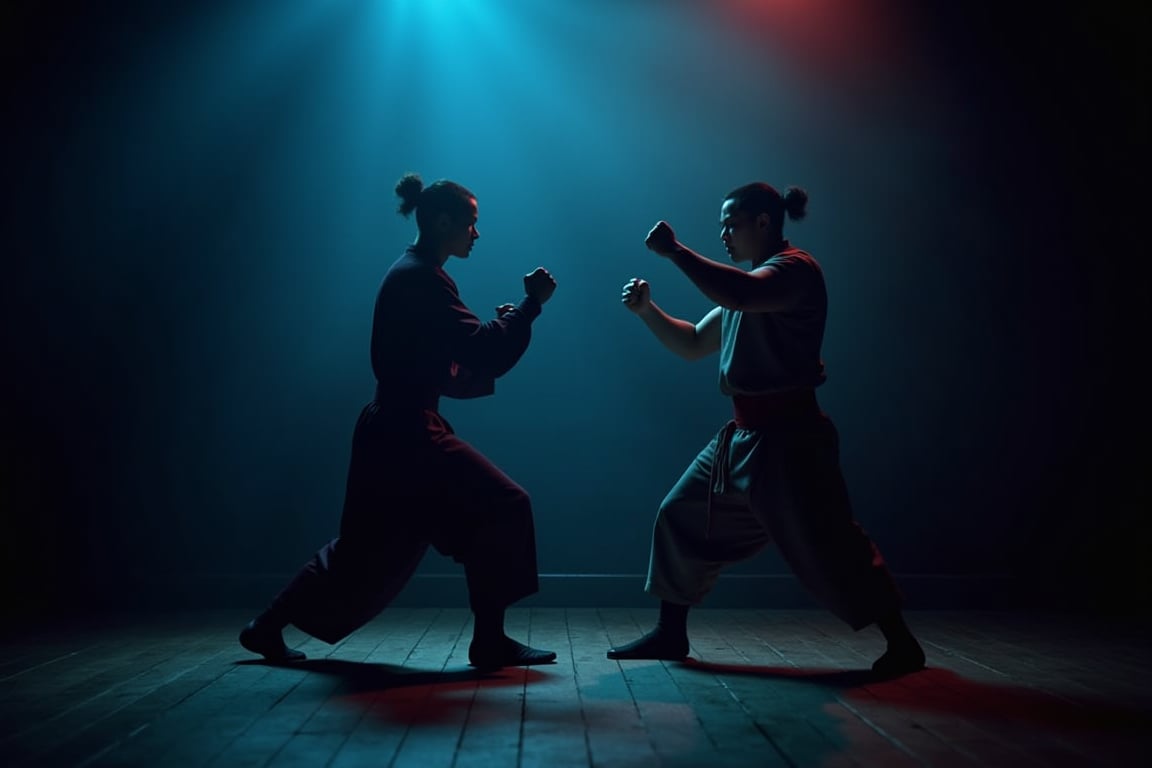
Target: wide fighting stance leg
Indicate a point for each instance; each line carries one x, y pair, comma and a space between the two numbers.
354, 577
806, 508
692, 542
481, 518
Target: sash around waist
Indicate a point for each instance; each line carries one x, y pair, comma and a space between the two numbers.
763, 411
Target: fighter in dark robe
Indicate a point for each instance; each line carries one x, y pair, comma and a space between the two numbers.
411, 481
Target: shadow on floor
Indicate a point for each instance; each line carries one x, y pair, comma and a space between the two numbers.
368, 676
418, 696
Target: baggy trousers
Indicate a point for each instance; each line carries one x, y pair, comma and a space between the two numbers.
779, 483
412, 483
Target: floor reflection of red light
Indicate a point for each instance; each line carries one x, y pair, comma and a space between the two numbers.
943, 692
421, 697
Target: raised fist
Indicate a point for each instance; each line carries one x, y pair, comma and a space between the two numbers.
661, 239
637, 296
539, 284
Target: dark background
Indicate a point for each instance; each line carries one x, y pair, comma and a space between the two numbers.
198, 207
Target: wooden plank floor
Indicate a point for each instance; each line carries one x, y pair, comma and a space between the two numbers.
764, 688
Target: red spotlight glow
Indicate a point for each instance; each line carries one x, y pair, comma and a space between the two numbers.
822, 37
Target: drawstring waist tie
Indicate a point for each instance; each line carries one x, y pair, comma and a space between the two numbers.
754, 412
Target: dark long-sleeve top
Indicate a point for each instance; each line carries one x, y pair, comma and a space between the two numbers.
427, 343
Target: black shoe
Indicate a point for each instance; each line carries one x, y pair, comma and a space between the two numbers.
268, 642
506, 653
654, 645
899, 661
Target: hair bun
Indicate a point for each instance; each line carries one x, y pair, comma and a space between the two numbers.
408, 189
795, 203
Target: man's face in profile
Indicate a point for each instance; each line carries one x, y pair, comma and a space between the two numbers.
461, 233
742, 234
